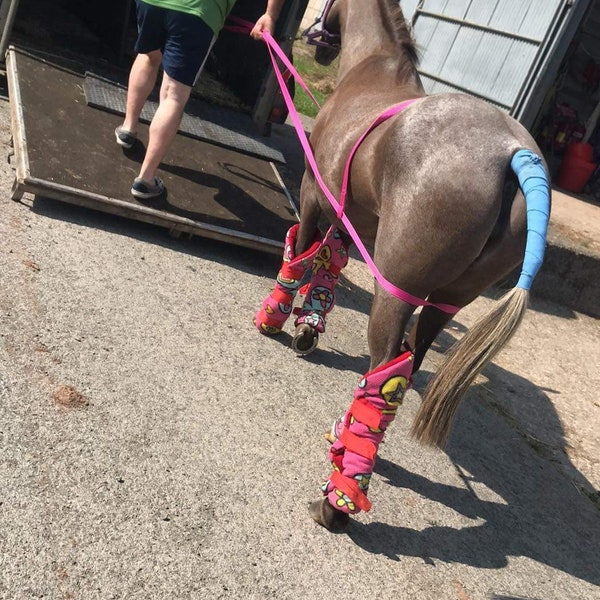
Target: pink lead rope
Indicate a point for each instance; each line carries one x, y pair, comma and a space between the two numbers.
389, 287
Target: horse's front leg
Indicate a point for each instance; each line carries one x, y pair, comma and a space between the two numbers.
357, 434
302, 243
310, 213
319, 299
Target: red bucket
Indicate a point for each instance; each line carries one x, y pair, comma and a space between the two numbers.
574, 174
581, 151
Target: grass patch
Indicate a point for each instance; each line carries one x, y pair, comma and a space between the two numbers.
304, 103
319, 79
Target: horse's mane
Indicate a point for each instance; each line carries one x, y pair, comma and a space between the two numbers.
402, 32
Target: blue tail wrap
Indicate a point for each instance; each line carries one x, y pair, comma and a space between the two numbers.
530, 171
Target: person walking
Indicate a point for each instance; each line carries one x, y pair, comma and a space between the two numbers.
177, 34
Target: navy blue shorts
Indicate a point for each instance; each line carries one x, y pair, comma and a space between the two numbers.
184, 40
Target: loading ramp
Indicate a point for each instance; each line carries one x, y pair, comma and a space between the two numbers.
65, 150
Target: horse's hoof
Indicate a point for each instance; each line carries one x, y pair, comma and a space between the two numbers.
334, 433
330, 437
305, 339
324, 514
265, 329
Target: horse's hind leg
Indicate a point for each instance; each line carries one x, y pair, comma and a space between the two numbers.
496, 261
319, 300
429, 324
357, 435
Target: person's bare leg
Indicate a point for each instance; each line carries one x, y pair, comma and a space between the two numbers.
142, 79
173, 98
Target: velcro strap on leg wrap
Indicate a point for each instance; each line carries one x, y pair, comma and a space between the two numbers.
282, 297
291, 271
349, 486
397, 365
365, 413
295, 268
358, 445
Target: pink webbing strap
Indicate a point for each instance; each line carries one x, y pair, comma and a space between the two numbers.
237, 25
388, 286
384, 116
243, 26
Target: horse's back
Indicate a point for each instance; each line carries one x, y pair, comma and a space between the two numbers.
457, 129
430, 181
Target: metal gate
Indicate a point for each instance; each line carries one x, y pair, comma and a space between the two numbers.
504, 51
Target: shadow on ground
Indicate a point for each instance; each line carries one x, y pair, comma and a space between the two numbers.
541, 516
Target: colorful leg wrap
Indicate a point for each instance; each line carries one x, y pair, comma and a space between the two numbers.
360, 431
320, 298
277, 306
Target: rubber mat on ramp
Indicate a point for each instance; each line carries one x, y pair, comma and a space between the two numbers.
201, 120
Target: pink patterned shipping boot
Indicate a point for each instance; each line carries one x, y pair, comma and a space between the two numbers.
277, 306
356, 438
320, 297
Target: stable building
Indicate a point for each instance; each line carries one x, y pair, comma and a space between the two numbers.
538, 60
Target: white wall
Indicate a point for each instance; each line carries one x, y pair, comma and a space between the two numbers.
408, 8
313, 10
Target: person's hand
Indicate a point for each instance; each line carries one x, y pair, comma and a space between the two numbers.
265, 23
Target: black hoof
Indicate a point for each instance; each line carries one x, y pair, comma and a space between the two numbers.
327, 516
305, 339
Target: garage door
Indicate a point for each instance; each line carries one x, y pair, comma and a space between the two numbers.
503, 51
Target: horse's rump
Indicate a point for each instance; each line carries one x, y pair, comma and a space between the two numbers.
438, 173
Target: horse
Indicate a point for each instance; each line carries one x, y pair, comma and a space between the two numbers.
450, 194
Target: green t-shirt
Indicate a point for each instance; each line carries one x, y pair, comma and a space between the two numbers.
212, 12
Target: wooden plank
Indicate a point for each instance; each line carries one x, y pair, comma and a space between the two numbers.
17, 125
174, 223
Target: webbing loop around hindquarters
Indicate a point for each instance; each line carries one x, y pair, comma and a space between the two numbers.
276, 51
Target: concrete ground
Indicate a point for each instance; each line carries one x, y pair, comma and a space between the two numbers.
577, 218
571, 271
154, 445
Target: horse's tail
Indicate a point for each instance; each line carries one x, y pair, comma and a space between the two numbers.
487, 337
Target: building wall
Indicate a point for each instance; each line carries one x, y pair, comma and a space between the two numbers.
312, 12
